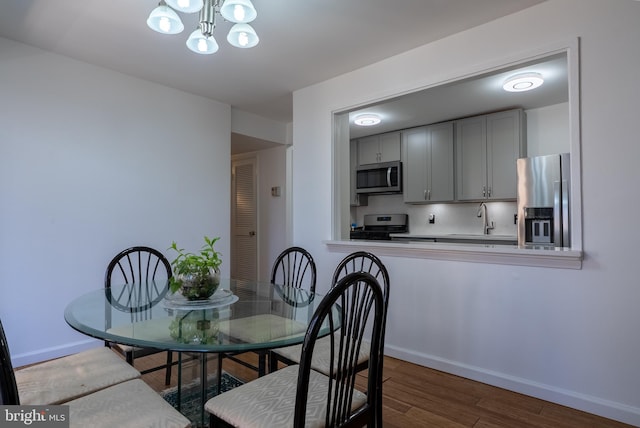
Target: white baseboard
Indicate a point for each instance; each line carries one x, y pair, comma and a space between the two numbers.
597, 406
20, 360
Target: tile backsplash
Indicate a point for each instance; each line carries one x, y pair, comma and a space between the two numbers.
459, 217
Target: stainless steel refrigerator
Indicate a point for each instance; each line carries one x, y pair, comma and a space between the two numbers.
543, 201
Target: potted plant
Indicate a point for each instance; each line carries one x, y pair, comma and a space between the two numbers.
196, 276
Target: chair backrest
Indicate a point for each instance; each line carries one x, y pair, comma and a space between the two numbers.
359, 301
294, 267
145, 272
8, 386
363, 261
137, 264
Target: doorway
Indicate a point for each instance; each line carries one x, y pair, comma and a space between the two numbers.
244, 215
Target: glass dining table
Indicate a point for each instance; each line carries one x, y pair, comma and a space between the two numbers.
241, 316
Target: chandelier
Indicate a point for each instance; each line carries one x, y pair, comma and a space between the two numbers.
165, 20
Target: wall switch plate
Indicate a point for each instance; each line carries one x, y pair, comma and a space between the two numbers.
432, 218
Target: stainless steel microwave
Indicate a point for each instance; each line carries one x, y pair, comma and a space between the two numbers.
383, 177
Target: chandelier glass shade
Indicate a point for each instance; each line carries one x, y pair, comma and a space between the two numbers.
165, 20
242, 36
238, 11
186, 6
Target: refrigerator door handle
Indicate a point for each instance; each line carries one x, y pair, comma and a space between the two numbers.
561, 213
564, 188
557, 213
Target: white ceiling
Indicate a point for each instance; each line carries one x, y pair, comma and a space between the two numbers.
302, 42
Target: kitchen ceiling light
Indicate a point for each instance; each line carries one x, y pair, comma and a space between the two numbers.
523, 82
164, 19
368, 119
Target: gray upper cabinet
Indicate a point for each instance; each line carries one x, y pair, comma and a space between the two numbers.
379, 148
427, 161
487, 148
357, 199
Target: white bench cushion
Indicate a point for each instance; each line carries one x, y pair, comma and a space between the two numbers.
269, 401
131, 404
322, 353
261, 328
66, 378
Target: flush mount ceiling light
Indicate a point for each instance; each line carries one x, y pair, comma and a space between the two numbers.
523, 82
367, 119
165, 20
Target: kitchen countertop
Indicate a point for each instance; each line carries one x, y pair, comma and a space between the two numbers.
456, 237
479, 251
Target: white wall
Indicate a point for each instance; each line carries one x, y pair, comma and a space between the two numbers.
568, 336
92, 162
548, 130
249, 124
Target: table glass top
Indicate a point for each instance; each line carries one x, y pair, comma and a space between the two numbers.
240, 316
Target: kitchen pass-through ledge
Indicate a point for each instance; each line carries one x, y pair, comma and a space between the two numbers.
563, 258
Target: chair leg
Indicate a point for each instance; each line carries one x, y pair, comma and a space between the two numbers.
219, 372
262, 364
167, 377
273, 362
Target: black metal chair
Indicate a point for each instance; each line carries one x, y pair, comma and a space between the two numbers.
92, 384
360, 261
62, 379
144, 272
292, 270
354, 307
8, 387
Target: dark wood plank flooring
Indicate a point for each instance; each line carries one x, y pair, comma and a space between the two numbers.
416, 396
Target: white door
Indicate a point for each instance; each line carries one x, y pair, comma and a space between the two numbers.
244, 241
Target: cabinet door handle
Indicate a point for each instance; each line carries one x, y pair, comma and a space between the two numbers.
425, 195
429, 195
489, 192
484, 191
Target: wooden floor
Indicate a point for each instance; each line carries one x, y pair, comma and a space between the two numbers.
415, 396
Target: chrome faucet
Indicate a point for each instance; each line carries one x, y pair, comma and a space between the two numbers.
482, 212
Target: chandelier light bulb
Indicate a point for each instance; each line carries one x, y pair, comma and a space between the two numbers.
164, 24
202, 45
238, 13
243, 38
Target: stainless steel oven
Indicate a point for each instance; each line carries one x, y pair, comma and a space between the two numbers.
378, 227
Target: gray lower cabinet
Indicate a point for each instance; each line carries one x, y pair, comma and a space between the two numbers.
487, 148
427, 162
